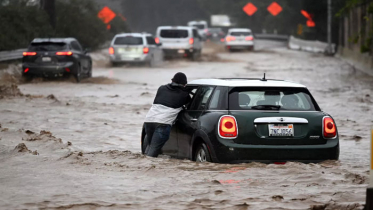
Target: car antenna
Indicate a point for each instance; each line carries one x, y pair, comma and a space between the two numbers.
264, 78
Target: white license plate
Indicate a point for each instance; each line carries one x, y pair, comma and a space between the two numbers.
181, 51
46, 59
281, 129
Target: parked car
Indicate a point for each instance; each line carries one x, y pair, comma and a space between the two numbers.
215, 34
180, 41
56, 57
244, 120
239, 39
135, 48
201, 26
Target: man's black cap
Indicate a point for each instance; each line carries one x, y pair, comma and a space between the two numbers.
180, 78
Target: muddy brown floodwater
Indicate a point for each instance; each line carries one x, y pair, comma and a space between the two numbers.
77, 146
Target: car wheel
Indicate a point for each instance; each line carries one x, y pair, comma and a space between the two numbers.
144, 144
202, 154
78, 74
89, 74
27, 78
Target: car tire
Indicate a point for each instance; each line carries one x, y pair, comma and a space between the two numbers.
143, 145
202, 154
89, 74
78, 74
27, 78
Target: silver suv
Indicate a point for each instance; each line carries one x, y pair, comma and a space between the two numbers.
135, 48
180, 41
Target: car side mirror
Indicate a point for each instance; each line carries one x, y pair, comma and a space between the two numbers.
159, 44
87, 50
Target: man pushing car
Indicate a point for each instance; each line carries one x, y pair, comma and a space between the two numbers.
167, 104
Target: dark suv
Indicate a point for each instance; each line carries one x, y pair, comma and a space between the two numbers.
244, 120
56, 57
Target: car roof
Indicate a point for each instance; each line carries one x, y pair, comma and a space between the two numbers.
239, 29
246, 82
40, 40
197, 21
133, 34
175, 27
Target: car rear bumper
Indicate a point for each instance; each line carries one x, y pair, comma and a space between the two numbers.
228, 152
49, 70
176, 52
118, 58
239, 45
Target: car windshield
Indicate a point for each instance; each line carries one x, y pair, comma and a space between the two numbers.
199, 26
241, 33
251, 98
128, 40
215, 30
48, 46
174, 33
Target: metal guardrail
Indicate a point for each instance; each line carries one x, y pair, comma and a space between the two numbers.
272, 37
11, 55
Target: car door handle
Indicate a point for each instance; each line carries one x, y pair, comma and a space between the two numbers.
194, 120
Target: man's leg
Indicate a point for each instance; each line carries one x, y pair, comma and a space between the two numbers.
149, 131
160, 137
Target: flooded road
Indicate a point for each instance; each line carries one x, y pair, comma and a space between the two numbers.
78, 145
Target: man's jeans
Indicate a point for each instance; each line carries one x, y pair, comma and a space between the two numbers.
156, 137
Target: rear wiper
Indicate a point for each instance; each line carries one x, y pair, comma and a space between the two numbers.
276, 107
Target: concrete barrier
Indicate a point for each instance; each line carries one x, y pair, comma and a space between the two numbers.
360, 61
11, 55
309, 46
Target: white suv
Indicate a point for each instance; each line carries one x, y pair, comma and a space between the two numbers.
179, 40
135, 48
239, 38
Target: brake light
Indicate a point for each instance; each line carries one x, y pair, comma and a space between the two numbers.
156, 40
67, 69
69, 53
111, 50
230, 38
228, 127
146, 50
29, 53
249, 38
26, 70
329, 128
222, 40
191, 41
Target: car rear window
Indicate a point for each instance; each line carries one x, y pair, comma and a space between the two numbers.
128, 40
174, 33
215, 30
255, 98
48, 46
241, 33
199, 26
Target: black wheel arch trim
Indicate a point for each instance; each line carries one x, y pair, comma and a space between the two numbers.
200, 134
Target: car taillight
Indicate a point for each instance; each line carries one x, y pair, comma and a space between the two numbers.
29, 53
191, 41
228, 127
230, 38
222, 40
64, 53
111, 50
329, 128
249, 38
26, 70
145, 50
156, 40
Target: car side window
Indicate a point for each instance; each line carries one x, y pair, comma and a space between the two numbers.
201, 98
192, 93
76, 46
150, 40
214, 103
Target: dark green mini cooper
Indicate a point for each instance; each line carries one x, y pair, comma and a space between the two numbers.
244, 120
